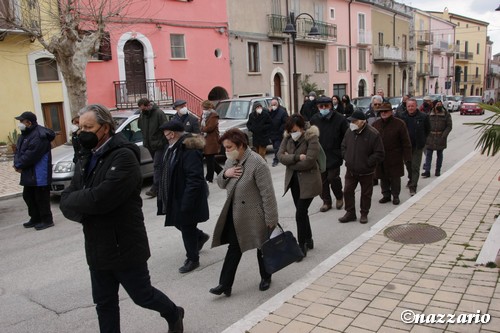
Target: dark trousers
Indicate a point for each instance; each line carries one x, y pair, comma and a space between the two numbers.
304, 232
212, 166
276, 148
157, 156
428, 160
191, 236
37, 199
390, 186
413, 168
233, 255
351, 182
137, 283
331, 179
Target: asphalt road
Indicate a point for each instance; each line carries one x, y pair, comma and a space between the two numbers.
45, 284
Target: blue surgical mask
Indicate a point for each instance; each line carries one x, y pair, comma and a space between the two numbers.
324, 112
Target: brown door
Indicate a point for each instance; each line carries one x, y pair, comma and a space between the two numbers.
54, 119
277, 86
135, 70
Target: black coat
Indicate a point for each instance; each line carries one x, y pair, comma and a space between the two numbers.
260, 126
184, 200
331, 133
419, 128
278, 120
108, 203
309, 109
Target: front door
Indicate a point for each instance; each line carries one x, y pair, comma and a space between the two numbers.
277, 85
135, 71
53, 117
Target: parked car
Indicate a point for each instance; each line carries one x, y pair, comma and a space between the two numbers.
438, 97
470, 105
395, 101
452, 103
63, 167
361, 103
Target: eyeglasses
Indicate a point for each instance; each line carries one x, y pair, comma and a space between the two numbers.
385, 111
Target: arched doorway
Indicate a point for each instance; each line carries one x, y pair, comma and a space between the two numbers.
361, 88
135, 71
217, 94
277, 85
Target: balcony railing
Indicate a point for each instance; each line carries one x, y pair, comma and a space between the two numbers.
450, 71
472, 79
465, 56
435, 71
409, 56
387, 53
440, 46
424, 38
277, 24
423, 69
162, 91
364, 38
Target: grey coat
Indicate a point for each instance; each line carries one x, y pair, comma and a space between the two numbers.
253, 201
307, 170
441, 126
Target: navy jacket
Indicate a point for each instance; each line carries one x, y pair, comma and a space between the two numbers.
278, 120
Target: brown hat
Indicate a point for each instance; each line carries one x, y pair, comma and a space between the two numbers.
384, 107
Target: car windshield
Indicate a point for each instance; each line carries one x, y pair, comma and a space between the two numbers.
472, 99
363, 102
233, 109
119, 121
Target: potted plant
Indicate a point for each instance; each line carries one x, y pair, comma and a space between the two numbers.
12, 138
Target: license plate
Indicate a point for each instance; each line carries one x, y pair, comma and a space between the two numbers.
469, 110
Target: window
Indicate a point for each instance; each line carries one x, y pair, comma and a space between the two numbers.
380, 38
362, 59
253, 57
442, 62
178, 50
318, 12
295, 7
277, 53
320, 61
339, 89
477, 72
46, 69
361, 28
332, 13
342, 60
477, 48
104, 51
276, 7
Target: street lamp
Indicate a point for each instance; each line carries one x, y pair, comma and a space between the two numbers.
291, 28
498, 9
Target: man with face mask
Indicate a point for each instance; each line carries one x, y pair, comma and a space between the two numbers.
362, 149
190, 122
441, 125
309, 109
33, 160
105, 197
279, 116
259, 123
426, 106
332, 127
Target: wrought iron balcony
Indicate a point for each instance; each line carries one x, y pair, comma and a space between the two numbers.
277, 23
440, 46
465, 56
423, 69
424, 38
472, 79
387, 53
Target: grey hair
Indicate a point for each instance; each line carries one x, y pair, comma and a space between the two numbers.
378, 98
102, 115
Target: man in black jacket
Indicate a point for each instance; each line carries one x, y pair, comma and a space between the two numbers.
104, 196
279, 117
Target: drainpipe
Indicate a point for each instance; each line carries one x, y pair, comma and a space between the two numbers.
350, 51
395, 63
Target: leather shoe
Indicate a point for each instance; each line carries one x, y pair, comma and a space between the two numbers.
395, 201
339, 203
275, 163
202, 240
264, 284
29, 224
178, 327
347, 218
42, 226
425, 174
438, 173
189, 265
310, 243
384, 200
325, 207
220, 289
363, 219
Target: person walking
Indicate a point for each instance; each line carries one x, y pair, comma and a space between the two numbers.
309, 108
33, 160
279, 116
75, 130
337, 104
348, 107
371, 114
210, 130
362, 149
441, 125
183, 191
259, 123
105, 197
402, 106
426, 106
299, 152
190, 121
419, 127
397, 147
332, 127
150, 120
250, 211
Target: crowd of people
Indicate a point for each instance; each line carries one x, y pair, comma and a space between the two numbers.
105, 192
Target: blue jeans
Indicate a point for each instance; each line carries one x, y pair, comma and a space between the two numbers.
428, 160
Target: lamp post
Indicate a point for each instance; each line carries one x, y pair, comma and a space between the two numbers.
291, 28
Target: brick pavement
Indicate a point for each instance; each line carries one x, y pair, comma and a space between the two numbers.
368, 289
9, 181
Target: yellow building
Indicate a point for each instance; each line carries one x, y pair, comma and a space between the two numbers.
470, 53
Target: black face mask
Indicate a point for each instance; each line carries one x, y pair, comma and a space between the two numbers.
88, 140
440, 108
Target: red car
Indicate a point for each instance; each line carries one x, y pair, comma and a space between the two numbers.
470, 105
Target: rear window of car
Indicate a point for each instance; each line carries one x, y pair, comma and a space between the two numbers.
472, 100
233, 109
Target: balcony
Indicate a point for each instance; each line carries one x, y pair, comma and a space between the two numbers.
364, 38
450, 72
409, 56
387, 53
423, 69
472, 79
277, 23
464, 56
18, 18
424, 38
434, 72
440, 46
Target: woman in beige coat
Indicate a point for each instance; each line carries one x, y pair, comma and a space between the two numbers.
299, 153
250, 212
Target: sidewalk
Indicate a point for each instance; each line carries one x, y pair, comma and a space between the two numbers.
374, 283
9, 181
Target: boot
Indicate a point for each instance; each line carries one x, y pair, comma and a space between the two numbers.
425, 174
438, 173
363, 219
326, 207
348, 217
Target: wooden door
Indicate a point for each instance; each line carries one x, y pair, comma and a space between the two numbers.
277, 86
53, 117
135, 70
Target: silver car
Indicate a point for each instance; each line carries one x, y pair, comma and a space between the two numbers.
63, 167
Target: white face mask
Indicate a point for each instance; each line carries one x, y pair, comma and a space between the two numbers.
233, 154
21, 126
311, 98
74, 128
274, 107
183, 111
353, 127
296, 135
258, 110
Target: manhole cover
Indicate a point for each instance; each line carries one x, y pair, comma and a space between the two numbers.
418, 233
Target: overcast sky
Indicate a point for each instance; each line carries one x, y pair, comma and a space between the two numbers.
483, 10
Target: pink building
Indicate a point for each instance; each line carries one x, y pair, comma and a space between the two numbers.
172, 49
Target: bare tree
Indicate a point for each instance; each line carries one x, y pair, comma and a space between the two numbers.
71, 30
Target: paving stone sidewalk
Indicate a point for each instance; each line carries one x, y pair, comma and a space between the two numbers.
369, 290
9, 181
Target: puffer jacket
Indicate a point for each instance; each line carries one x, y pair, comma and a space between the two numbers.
332, 128
441, 125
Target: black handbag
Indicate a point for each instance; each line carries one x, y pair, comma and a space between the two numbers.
280, 251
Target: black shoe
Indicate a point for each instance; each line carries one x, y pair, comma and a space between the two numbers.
275, 163
438, 173
363, 219
310, 243
347, 218
303, 248
151, 193
395, 201
384, 200
202, 240
178, 327
189, 265
220, 289
41, 226
425, 174
30, 224
264, 284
